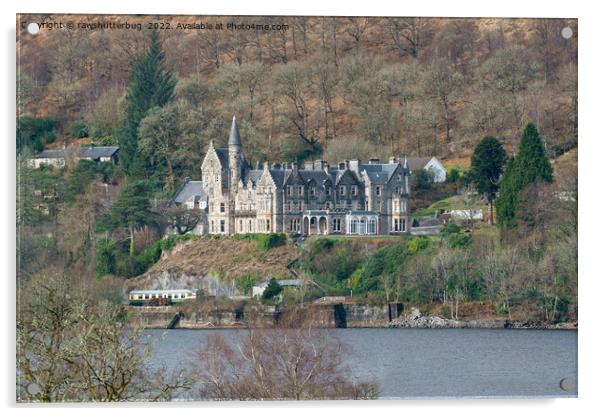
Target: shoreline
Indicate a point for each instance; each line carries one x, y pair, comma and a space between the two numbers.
324, 316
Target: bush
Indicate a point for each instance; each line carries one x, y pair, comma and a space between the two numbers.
79, 129
422, 179
449, 229
453, 176
417, 244
459, 240
104, 262
273, 289
264, 242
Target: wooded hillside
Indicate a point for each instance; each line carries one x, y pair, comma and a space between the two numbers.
339, 87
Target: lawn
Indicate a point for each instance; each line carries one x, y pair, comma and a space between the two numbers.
453, 202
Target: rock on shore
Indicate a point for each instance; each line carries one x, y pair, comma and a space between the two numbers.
416, 320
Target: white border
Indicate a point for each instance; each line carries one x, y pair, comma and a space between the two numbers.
589, 218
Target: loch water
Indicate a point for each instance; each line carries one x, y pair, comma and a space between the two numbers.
429, 363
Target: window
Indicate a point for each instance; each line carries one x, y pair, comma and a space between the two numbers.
212, 226
299, 190
336, 225
222, 207
362, 229
328, 205
353, 228
395, 206
377, 191
403, 205
353, 190
342, 190
372, 226
250, 226
403, 224
328, 190
222, 226
395, 225
397, 189
240, 226
289, 190
267, 225
312, 191
287, 206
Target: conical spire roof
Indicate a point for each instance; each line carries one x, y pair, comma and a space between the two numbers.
234, 133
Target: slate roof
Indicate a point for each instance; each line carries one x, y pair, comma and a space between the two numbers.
252, 175
280, 176
95, 152
379, 173
417, 163
234, 133
319, 177
190, 190
222, 155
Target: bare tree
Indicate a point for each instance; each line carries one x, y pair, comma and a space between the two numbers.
283, 363
71, 349
409, 34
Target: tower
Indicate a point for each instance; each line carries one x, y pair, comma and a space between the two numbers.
234, 155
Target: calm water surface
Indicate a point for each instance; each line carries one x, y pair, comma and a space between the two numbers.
421, 363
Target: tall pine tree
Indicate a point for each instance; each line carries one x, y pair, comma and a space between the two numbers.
529, 166
150, 85
486, 167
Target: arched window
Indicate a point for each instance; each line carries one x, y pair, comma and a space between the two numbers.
362, 229
353, 227
372, 226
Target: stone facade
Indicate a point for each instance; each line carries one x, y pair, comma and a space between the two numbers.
352, 198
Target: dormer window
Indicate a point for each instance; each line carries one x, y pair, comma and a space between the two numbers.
312, 191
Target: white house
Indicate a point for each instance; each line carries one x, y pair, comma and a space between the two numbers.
57, 157
431, 164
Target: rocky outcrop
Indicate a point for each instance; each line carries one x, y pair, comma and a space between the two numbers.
416, 320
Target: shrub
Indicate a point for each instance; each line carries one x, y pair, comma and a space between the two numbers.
459, 240
417, 244
422, 179
453, 176
264, 242
449, 229
79, 129
104, 262
273, 289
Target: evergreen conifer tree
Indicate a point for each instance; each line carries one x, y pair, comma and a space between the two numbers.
529, 166
486, 167
150, 85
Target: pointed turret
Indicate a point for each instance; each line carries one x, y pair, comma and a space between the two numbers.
234, 139
235, 157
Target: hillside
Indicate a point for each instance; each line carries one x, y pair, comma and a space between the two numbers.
224, 259
316, 87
